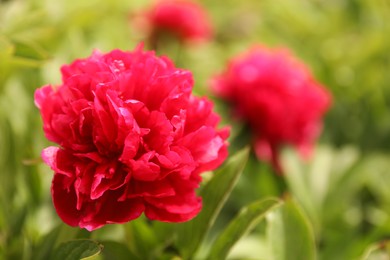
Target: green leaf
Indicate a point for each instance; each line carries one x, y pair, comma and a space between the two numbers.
6, 51
289, 233
117, 251
30, 50
77, 249
247, 218
44, 249
214, 194
141, 238
18, 221
68, 233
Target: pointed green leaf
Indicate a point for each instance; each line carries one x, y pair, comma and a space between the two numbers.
214, 194
26, 62
30, 50
77, 249
247, 218
290, 235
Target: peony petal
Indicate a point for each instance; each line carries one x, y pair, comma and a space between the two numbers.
173, 209
130, 148
64, 201
144, 170
41, 94
156, 189
204, 144
49, 156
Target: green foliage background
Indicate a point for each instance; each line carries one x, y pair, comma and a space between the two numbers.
340, 196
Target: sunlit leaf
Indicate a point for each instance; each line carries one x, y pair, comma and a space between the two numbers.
377, 251
319, 183
289, 233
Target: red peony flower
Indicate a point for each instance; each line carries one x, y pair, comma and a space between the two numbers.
184, 18
132, 139
278, 98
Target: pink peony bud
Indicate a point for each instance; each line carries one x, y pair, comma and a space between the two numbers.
185, 19
278, 98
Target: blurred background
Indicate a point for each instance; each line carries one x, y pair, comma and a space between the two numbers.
344, 188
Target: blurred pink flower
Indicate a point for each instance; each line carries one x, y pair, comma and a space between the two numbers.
185, 19
132, 139
276, 95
